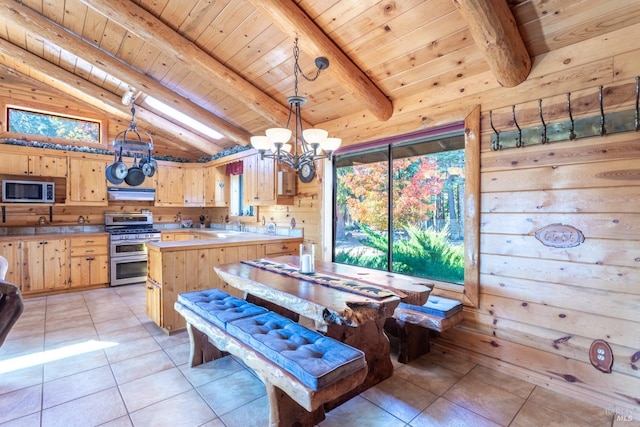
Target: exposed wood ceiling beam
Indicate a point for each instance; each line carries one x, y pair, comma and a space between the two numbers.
137, 20
60, 36
294, 22
103, 99
495, 32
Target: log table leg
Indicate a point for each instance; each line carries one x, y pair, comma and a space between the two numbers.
371, 339
201, 351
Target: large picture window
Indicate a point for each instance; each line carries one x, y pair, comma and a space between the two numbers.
54, 126
399, 208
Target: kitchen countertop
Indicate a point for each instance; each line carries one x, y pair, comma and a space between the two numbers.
13, 237
219, 238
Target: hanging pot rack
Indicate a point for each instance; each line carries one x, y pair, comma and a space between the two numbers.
568, 130
130, 139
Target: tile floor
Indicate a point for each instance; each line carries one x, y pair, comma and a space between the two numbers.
94, 358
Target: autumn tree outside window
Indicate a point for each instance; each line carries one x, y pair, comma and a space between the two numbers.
400, 207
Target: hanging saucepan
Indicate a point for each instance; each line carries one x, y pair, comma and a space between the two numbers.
148, 165
118, 169
135, 176
110, 177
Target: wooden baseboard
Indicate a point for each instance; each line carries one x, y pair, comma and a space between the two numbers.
607, 403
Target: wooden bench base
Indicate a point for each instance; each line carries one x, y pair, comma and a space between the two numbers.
414, 329
291, 403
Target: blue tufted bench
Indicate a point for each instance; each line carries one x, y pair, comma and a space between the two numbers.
302, 369
412, 324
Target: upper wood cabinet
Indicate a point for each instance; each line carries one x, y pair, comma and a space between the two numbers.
260, 183
216, 187
33, 165
194, 185
170, 185
86, 183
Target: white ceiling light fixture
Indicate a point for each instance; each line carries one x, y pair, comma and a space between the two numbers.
182, 118
308, 145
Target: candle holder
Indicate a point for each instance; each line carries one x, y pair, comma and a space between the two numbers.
307, 257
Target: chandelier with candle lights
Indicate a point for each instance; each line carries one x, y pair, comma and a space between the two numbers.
308, 145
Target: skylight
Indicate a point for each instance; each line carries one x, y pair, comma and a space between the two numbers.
183, 118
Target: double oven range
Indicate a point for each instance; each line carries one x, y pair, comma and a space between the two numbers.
128, 234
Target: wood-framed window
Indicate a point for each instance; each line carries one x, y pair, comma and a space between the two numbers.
47, 125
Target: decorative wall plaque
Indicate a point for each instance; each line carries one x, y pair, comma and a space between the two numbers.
601, 356
560, 236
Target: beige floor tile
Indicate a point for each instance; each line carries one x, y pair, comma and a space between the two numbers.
129, 349
110, 312
574, 408
124, 421
215, 423
32, 420
79, 321
141, 366
151, 327
75, 386
231, 392
533, 415
167, 341
74, 364
449, 361
428, 375
360, 412
91, 410
17, 378
179, 353
490, 402
253, 414
210, 371
505, 382
70, 335
124, 335
154, 388
79, 309
399, 397
443, 413
20, 346
19, 403
193, 412
124, 322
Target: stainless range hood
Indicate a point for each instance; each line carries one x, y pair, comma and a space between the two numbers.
131, 194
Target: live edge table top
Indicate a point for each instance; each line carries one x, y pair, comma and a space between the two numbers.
323, 304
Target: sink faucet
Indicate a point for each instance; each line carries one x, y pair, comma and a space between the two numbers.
239, 225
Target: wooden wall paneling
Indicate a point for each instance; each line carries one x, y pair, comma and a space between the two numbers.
563, 296
609, 278
593, 251
567, 345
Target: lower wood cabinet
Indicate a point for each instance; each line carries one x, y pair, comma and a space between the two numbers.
44, 265
89, 261
191, 269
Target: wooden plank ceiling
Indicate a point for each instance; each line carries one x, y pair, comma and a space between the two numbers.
229, 63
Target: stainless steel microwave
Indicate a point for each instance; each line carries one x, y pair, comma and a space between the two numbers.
28, 191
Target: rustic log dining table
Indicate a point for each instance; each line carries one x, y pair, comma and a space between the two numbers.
339, 312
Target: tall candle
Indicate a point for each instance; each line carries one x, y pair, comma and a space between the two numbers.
306, 263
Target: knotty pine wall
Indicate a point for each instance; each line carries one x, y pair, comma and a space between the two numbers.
541, 308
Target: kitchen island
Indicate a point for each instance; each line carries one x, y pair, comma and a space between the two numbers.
184, 260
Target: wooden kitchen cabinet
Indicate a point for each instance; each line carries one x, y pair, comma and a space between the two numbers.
154, 301
170, 185
45, 265
194, 186
260, 183
33, 165
216, 187
89, 261
86, 183
11, 251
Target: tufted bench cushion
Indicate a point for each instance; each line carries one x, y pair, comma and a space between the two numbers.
314, 359
436, 306
219, 307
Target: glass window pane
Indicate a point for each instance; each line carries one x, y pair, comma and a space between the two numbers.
53, 126
362, 209
428, 196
